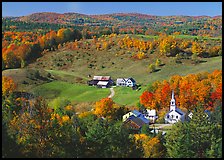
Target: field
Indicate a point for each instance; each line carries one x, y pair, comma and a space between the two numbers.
72, 84
127, 96
71, 92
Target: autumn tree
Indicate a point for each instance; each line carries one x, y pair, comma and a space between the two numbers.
8, 86
168, 46
196, 49
42, 133
147, 100
151, 146
106, 108
10, 59
23, 53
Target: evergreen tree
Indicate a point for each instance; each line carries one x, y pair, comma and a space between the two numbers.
199, 138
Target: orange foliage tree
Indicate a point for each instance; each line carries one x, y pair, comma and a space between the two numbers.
147, 100
8, 85
105, 108
203, 88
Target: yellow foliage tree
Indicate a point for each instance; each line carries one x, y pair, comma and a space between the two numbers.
8, 85
151, 147
105, 108
196, 49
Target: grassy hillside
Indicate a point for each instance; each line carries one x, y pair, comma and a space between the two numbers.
70, 81
72, 92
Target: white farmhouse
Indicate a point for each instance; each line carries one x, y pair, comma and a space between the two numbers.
128, 82
175, 114
151, 115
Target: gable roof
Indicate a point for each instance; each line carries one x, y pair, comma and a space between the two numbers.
103, 83
105, 78
126, 79
120, 80
136, 113
178, 111
132, 79
136, 120
140, 116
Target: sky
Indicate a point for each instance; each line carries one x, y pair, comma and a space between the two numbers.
92, 8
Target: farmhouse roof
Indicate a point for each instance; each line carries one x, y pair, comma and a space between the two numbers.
102, 83
125, 79
120, 79
101, 78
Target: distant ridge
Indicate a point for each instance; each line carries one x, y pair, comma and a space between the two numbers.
115, 19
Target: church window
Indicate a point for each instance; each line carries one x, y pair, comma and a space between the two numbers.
176, 116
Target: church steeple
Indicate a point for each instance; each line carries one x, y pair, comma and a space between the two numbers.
172, 102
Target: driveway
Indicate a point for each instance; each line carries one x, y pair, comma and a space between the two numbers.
112, 93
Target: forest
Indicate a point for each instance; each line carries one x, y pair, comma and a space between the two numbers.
44, 48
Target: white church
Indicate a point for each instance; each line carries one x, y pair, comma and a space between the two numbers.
175, 114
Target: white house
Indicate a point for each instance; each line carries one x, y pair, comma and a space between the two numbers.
175, 114
128, 82
151, 115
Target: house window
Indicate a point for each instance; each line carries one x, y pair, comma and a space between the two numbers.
171, 116
176, 117
168, 116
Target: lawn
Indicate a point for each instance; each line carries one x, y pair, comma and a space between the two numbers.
127, 96
72, 92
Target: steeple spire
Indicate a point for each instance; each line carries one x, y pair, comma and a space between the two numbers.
172, 94
172, 102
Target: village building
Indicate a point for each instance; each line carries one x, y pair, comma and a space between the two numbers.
151, 115
175, 114
101, 81
126, 82
135, 120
